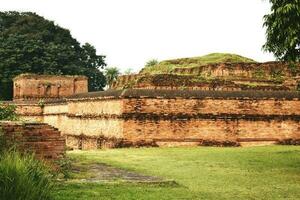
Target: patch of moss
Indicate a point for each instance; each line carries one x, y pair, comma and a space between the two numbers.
277, 75
259, 73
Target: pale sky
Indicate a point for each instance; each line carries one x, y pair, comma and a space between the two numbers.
130, 32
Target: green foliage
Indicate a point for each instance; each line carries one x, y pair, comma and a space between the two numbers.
41, 103
31, 44
283, 30
201, 79
64, 167
168, 65
22, 177
3, 143
111, 74
151, 63
8, 112
277, 75
259, 73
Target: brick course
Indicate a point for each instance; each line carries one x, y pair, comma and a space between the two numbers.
42, 139
152, 117
35, 87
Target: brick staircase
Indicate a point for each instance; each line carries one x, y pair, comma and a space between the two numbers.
43, 140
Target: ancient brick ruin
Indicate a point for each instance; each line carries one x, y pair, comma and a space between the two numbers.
271, 76
35, 87
220, 104
42, 139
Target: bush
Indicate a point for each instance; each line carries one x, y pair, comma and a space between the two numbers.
22, 177
8, 112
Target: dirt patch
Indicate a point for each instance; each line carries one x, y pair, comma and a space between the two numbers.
99, 172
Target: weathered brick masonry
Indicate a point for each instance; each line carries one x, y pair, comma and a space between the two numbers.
219, 104
194, 117
178, 117
34, 87
270, 76
42, 139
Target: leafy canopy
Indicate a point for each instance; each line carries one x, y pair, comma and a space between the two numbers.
31, 44
283, 29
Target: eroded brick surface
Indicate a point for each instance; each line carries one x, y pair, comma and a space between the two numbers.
33, 87
42, 139
152, 117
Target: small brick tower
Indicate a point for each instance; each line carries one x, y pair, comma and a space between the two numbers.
35, 87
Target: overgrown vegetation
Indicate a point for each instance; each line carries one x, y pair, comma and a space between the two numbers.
168, 65
277, 75
22, 177
151, 63
259, 73
64, 165
8, 112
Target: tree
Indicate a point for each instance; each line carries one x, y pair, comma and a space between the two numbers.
111, 74
151, 63
31, 44
283, 29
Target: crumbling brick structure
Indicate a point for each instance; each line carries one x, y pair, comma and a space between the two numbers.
42, 139
223, 105
33, 87
268, 76
179, 117
164, 117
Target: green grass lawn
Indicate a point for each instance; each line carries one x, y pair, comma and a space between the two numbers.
201, 173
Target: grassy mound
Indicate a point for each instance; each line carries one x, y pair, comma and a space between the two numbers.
168, 65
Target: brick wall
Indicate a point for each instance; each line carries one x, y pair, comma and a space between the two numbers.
190, 120
89, 117
34, 87
180, 106
42, 139
195, 131
138, 117
87, 108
